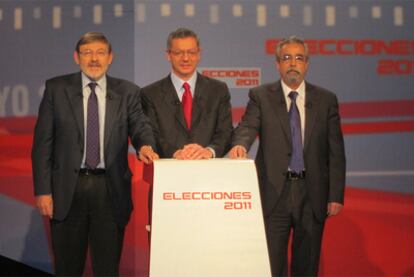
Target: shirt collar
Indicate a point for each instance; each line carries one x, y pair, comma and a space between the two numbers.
300, 90
178, 83
101, 82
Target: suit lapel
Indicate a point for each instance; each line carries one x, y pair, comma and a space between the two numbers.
199, 100
311, 108
75, 96
278, 101
172, 101
113, 100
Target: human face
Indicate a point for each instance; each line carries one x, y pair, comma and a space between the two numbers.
184, 56
292, 64
93, 59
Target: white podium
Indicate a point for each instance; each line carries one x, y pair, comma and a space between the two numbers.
207, 219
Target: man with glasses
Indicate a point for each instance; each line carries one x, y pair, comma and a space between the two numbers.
190, 113
300, 160
82, 181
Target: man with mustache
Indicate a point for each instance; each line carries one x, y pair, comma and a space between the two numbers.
300, 160
81, 177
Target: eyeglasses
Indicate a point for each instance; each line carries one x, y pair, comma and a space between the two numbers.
181, 53
90, 53
298, 58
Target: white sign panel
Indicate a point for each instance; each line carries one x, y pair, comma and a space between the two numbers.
207, 219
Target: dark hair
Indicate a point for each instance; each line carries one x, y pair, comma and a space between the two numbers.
93, 37
181, 33
289, 40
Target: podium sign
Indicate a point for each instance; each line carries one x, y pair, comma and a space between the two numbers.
207, 219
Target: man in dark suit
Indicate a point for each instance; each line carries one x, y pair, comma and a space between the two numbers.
302, 178
190, 113
80, 166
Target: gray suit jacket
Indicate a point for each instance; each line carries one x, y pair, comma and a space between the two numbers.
211, 116
58, 144
266, 115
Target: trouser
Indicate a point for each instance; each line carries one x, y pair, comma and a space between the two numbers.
90, 222
293, 213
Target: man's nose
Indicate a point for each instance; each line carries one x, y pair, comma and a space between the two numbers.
186, 55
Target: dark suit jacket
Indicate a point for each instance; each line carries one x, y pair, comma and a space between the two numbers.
266, 114
211, 116
59, 142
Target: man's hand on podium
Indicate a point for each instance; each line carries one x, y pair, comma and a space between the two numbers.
238, 152
147, 155
193, 151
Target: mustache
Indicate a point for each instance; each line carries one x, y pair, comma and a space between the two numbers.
94, 64
293, 70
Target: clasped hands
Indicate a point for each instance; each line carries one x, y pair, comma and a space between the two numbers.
193, 151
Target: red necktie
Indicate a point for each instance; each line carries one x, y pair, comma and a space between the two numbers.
187, 103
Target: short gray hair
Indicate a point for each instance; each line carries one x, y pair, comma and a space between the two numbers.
182, 33
291, 40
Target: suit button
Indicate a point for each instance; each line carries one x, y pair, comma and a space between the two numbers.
76, 171
289, 154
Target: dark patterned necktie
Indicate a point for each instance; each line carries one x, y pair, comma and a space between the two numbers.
297, 163
187, 103
92, 130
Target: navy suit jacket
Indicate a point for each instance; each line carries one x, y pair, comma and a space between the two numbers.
58, 144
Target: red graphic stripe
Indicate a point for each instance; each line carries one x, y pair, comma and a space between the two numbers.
368, 110
360, 127
362, 109
400, 108
378, 127
17, 125
237, 114
377, 109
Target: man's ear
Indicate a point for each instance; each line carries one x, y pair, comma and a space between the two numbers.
76, 57
167, 55
111, 57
